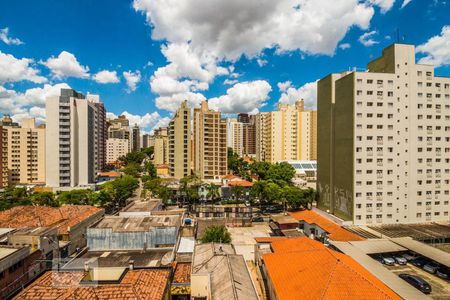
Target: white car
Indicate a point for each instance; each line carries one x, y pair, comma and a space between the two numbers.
400, 260
389, 261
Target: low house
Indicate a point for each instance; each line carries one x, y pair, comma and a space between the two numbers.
219, 273
106, 176
302, 268
101, 283
181, 283
141, 208
133, 233
71, 221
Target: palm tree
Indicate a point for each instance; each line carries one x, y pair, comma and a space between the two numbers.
213, 191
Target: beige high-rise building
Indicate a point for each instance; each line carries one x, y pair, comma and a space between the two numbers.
384, 142
210, 143
115, 148
75, 128
26, 153
290, 133
3, 157
161, 146
241, 135
180, 142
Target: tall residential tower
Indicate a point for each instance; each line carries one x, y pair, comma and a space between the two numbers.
180, 142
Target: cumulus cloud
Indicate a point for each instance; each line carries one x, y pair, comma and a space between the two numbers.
307, 92
31, 103
132, 79
367, 38
106, 76
173, 102
436, 49
4, 37
230, 81
66, 65
283, 86
243, 97
13, 69
261, 62
345, 46
385, 5
147, 122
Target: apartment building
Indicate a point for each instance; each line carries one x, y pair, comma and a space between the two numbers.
116, 148
180, 142
25, 153
241, 135
135, 138
75, 130
3, 157
161, 146
290, 133
384, 151
210, 143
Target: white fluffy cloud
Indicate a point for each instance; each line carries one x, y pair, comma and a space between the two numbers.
106, 76
405, 2
283, 86
436, 49
4, 37
243, 97
13, 69
345, 46
367, 38
132, 79
385, 5
147, 122
307, 92
31, 103
173, 102
248, 27
66, 65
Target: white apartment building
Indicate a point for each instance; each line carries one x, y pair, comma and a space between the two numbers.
116, 148
384, 142
75, 139
235, 136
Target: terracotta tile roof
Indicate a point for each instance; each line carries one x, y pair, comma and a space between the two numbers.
136, 284
312, 271
62, 217
269, 239
230, 176
109, 174
182, 273
336, 232
240, 183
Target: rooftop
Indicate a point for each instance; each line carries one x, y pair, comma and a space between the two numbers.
283, 219
302, 268
62, 217
136, 224
109, 174
229, 277
243, 183
135, 284
150, 258
6, 251
140, 206
182, 273
421, 231
336, 232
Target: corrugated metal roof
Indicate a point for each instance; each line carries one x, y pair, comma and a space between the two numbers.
377, 246
424, 249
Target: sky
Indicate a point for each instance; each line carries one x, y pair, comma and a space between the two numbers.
144, 57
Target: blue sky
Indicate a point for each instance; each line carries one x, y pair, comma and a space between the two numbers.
242, 56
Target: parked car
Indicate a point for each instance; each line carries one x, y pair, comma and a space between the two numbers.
409, 256
272, 209
431, 267
400, 260
420, 262
386, 260
258, 219
443, 273
416, 282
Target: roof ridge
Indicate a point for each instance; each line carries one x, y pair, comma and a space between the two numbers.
329, 280
360, 275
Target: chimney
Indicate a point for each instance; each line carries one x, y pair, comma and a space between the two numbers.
131, 265
86, 266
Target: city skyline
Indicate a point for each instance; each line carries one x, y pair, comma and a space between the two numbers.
236, 74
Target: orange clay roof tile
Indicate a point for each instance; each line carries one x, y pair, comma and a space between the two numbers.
336, 232
312, 271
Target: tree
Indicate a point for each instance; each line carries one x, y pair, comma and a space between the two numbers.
150, 169
238, 191
294, 197
164, 193
136, 157
13, 196
122, 188
237, 165
44, 199
132, 169
272, 192
103, 198
281, 171
260, 169
213, 191
216, 234
75, 197
148, 151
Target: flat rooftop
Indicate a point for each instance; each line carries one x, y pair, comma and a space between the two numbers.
136, 224
143, 206
150, 258
421, 231
283, 219
6, 251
